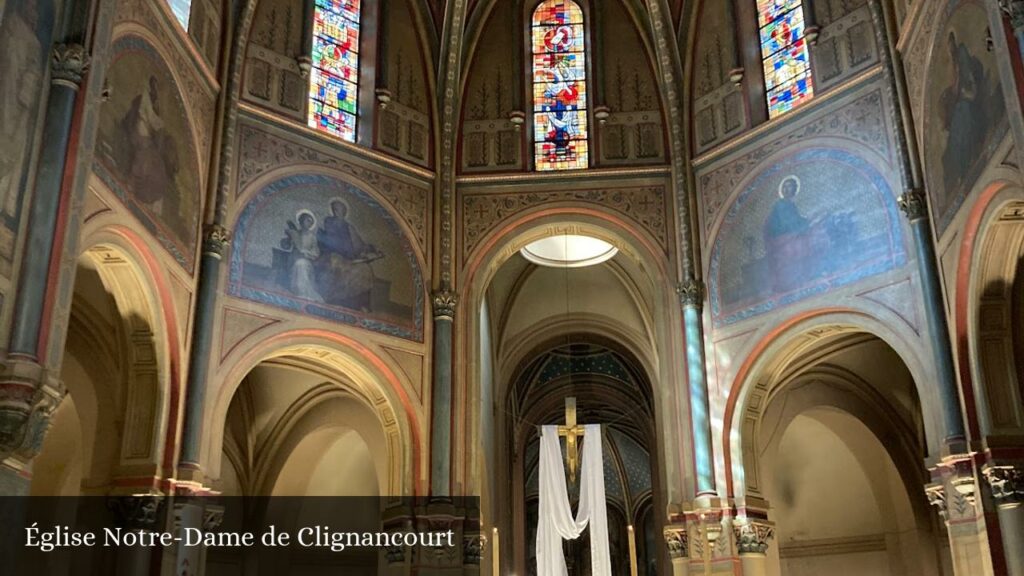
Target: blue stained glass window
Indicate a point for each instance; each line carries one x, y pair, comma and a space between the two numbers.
181, 10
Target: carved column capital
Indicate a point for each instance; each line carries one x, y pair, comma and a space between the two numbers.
68, 65
216, 240
1014, 10
936, 494
139, 513
213, 517
677, 542
752, 535
1007, 483
691, 293
473, 546
26, 406
914, 204
445, 302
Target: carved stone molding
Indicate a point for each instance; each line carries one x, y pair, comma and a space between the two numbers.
914, 205
1007, 483
136, 512
216, 240
445, 302
691, 293
677, 542
752, 536
68, 65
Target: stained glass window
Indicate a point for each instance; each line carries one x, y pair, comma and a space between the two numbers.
787, 68
181, 9
559, 86
334, 79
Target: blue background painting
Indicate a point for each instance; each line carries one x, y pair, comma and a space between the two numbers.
820, 219
316, 245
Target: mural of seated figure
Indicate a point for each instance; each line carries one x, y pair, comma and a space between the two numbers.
344, 273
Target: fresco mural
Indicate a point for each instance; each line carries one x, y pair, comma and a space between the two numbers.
320, 246
144, 150
965, 111
25, 38
820, 219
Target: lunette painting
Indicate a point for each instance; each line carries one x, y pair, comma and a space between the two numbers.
317, 245
816, 220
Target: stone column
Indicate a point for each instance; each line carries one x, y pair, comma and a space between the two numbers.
953, 492
691, 297
135, 514
441, 395
1007, 483
677, 543
752, 536
215, 244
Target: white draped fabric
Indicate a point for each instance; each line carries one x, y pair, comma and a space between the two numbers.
555, 521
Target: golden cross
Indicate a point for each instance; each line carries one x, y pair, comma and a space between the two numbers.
571, 431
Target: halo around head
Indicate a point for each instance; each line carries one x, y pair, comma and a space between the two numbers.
791, 178
305, 212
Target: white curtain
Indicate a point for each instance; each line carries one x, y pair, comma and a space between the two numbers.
555, 521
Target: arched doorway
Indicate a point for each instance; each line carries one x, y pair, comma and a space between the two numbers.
834, 445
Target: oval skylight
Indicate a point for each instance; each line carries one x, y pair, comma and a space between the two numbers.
568, 251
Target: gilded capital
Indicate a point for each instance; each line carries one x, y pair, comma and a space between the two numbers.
936, 494
68, 63
445, 302
752, 536
914, 204
1007, 483
677, 542
691, 293
216, 239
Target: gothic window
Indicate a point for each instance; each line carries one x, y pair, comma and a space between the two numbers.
181, 9
559, 86
334, 79
787, 68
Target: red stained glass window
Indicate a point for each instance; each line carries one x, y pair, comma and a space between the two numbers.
787, 66
334, 79
559, 86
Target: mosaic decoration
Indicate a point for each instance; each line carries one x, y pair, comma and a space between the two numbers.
316, 245
181, 10
813, 222
559, 86
334, 79
787, 68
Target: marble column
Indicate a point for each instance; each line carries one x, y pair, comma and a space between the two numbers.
691, 297
1007, 484
441, 395
215, 244
677, 543
68, 66
915, 207
28, 393
752, 536
135, 514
